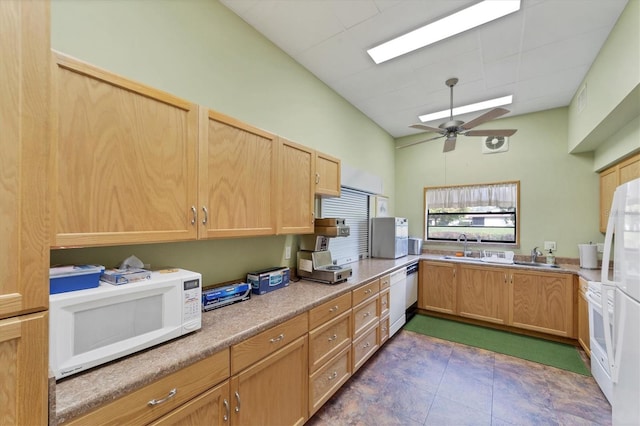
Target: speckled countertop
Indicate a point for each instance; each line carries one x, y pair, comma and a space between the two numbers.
221, 328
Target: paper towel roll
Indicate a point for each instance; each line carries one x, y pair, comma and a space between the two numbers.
588, 256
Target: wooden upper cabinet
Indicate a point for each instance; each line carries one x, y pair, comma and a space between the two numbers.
124, 160
237, 178
25, 84
296, 188
610, 179
327, 175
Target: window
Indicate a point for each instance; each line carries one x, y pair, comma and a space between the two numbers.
353, 206
486, 213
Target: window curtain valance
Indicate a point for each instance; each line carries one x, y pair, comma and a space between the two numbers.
503, 195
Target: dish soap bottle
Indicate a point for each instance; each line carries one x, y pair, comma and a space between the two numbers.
551, 259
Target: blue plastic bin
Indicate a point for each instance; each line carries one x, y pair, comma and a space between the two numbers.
74, 277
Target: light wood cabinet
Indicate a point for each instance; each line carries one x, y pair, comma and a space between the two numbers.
237, 178
583, 317
327, 380
124, 160
23, 376
164, 395
296, 188
365, 346
274, 390
385, 325
438, 287
483, 293
610, 179
25, 126
327, 175
328, 339
542, 302
24, 157
211, 408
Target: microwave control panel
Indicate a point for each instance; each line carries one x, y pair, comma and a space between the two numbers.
192, 303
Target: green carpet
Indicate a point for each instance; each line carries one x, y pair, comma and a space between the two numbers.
555, 354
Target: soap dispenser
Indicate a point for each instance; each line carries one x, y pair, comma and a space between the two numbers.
551, 259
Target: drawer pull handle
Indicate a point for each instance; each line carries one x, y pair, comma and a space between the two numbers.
384, 303
384, 328
237, 409
332, 338
170, 395
366, 314
333, 376
367, 291
333, 309
277, 339
206, 215
195, 215
226, 410
366, 345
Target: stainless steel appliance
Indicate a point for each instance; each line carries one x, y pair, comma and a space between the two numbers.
389, 237
314, 258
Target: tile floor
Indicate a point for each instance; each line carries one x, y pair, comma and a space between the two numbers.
419, 380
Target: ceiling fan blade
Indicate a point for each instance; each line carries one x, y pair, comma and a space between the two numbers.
497, 132
489, 115
449, 144
428, 128
417, 142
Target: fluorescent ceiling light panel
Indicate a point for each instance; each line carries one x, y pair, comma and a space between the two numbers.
459, 22
491, 103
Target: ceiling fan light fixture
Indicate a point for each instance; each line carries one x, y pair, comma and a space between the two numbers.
459, 22
465, 109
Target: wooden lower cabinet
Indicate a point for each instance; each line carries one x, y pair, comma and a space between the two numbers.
273, 391
583, 317
365, 346
384, 329
483, 293
543, 302
328, 379
438, 287
211, 408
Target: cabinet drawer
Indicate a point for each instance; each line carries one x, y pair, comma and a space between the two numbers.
365, 315
384, 329
326, 381
329, 310
365, 292
384, 303
364, 347
175, 389
257, 347
326, 341
385, 281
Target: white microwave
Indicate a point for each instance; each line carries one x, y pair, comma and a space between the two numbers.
97, 325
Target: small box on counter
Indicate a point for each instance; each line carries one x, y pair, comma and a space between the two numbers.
223, 296
74, 277
268, 280
124, 276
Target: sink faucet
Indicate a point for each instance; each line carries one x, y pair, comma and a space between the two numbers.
464, 253
535, 253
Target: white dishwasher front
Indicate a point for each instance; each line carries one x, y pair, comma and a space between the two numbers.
397, 296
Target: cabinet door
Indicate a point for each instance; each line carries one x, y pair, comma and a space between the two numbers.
274, 390
327, 175
629, 169
542, 302
210, 408
583, 317
608, 185
483, 293
296, 189
24, 353
437, 290
124, 158
237, 178
24, 156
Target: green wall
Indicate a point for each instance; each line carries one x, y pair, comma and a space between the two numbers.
558, 191
200, 51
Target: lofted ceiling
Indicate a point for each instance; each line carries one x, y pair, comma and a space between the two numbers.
539, 54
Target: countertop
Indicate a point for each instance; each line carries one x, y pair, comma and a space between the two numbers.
221, 328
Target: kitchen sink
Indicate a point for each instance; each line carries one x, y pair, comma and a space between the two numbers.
463, 258
536, 264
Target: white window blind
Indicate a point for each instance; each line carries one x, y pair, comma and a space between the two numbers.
353, 206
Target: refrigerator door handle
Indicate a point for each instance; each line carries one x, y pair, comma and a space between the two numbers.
617, 352
608, 240
608, 338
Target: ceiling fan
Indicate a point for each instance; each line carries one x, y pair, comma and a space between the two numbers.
452, 128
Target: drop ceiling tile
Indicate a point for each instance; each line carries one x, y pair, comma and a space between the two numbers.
352, 12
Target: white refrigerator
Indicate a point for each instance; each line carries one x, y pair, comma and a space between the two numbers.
623, 344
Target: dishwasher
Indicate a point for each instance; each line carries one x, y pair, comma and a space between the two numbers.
397, 296
412, 290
